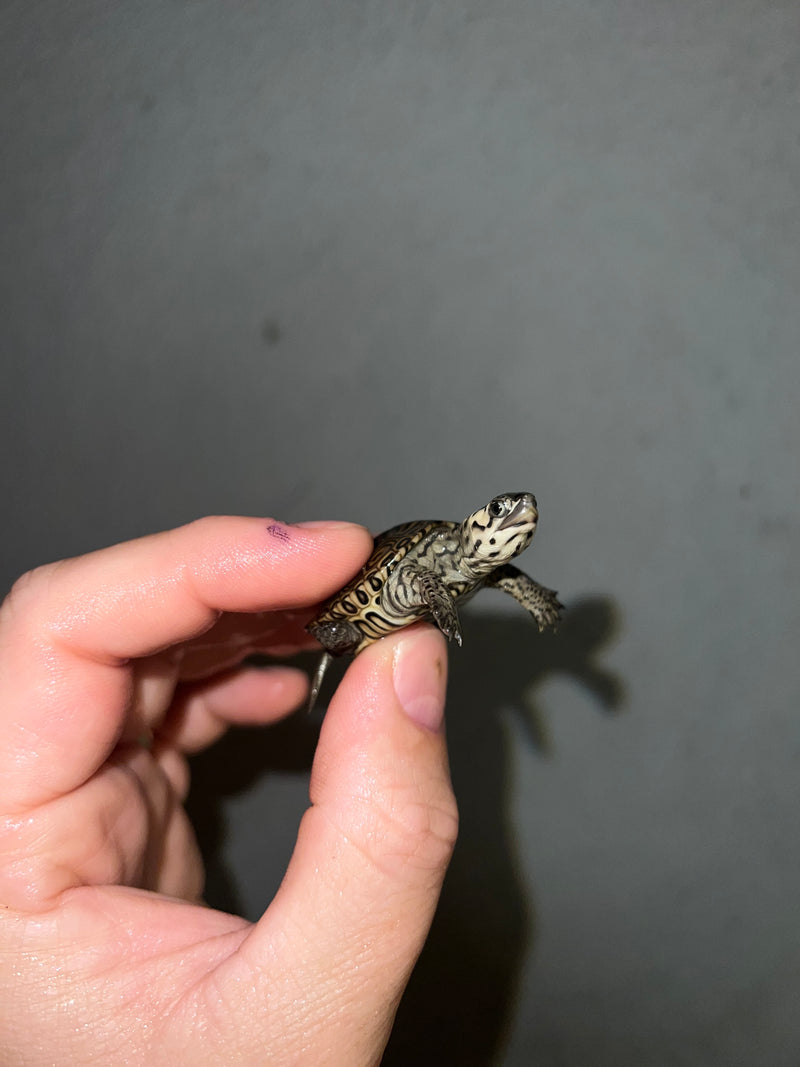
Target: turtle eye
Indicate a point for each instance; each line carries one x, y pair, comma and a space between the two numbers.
497, 508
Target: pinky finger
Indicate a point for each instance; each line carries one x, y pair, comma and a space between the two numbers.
203, 711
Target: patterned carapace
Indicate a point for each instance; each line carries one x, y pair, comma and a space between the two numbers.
422, 570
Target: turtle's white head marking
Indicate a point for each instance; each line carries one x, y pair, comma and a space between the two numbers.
499, 532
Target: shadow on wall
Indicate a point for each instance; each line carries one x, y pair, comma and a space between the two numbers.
462, 994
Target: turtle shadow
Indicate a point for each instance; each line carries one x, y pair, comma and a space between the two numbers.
462, 994
507, 665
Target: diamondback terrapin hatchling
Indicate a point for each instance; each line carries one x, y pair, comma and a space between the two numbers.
421, 570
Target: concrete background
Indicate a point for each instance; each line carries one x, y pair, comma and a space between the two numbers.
381, 261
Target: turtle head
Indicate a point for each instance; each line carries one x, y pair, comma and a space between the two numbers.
498, 532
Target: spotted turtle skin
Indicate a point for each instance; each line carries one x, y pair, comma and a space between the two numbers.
422, 570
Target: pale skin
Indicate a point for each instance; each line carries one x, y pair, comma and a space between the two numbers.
113, 668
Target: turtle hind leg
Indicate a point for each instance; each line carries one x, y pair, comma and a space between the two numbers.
542, 603
338, 638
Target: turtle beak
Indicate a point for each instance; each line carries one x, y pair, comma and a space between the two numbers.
525, 511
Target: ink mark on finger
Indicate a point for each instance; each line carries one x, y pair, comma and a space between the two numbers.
279, 531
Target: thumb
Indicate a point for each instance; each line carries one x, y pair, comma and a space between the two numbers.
357, 902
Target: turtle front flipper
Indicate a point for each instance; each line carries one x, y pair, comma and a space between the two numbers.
433, 594
542, 603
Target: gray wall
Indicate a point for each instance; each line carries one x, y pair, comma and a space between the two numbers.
380, 261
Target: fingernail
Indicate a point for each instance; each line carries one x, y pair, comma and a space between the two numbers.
420, 677
323, 524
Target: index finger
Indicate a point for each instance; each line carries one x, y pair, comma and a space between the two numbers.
68, 630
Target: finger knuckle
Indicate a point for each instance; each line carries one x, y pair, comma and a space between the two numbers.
26, 594
417, 833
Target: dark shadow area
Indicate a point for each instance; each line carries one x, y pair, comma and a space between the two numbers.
517, 664
461, 997
231, 767
462, 994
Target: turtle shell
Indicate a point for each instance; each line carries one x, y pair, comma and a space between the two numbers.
360, 600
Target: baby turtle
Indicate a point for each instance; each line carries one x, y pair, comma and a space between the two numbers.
421, 570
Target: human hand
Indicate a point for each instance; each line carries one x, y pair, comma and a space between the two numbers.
106, 954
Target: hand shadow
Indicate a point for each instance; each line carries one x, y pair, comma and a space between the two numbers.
231, 767
461, 997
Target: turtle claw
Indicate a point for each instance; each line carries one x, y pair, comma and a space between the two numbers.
548, 613
451, 633
446, 618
